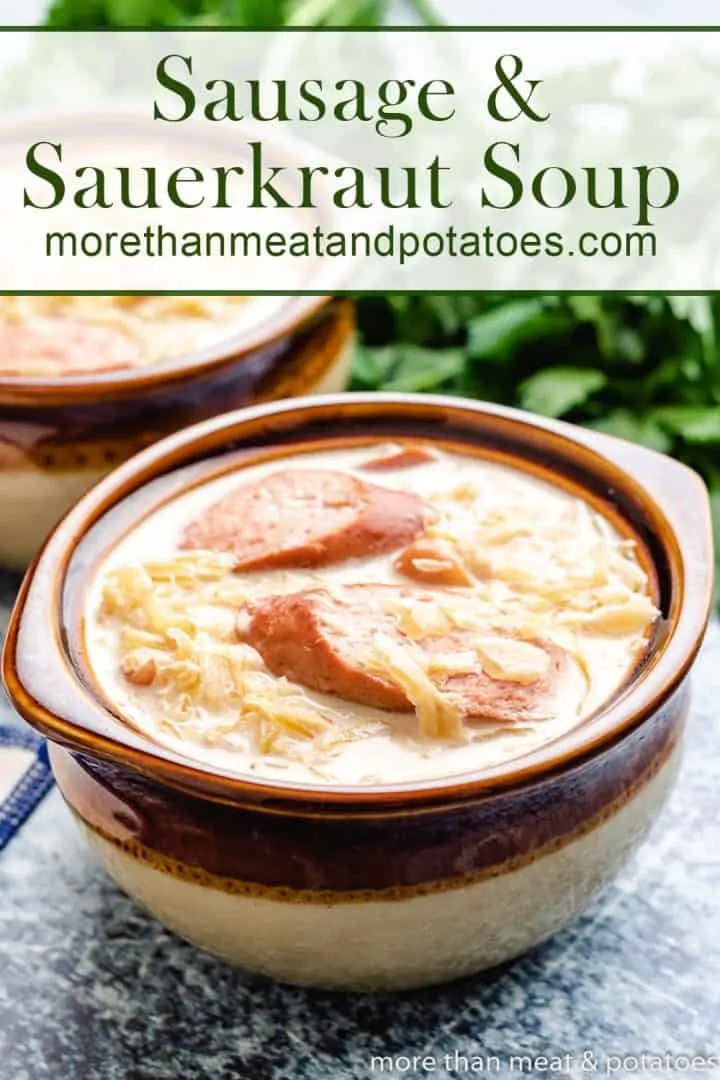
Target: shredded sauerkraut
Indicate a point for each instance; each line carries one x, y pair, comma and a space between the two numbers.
178, 639
438, 718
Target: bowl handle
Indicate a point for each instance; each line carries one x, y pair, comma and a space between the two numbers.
682, 496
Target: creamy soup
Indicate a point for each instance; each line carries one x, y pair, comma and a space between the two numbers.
369, 615
50, 336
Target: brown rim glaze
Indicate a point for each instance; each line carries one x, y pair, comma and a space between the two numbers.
433, 847
188, 870
290, 316
662, 501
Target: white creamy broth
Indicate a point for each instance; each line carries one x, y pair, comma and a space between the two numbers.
542, 565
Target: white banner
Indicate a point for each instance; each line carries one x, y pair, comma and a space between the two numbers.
396, 160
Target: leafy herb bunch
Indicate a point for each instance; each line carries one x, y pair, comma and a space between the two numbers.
267, 14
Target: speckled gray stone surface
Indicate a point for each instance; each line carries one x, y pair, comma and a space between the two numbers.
91, 988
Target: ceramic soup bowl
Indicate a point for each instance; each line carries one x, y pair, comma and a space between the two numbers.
373, 886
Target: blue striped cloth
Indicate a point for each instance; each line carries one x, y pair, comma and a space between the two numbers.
25, 776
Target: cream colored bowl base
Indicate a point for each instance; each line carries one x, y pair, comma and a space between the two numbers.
32, 502
399, 943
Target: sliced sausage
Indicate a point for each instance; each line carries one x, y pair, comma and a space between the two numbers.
432, 562
306, 517
406, 457
317, 638
481, 695
313, 638
48, 346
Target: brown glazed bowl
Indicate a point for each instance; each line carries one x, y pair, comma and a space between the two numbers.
59, 436
370, 887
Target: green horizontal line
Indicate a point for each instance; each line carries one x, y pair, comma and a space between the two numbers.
359, 29
372, 292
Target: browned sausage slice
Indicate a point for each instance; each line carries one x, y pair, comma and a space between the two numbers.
316, 638
432, 563
406, 457
48, 346
306, 517
313, 638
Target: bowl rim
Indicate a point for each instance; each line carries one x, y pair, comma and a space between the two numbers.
293, 311
673, 494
